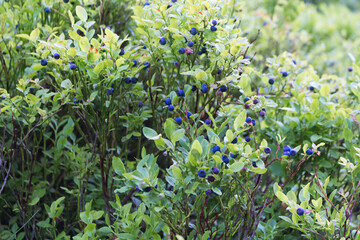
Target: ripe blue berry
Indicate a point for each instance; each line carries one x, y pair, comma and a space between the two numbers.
262, 113
294, 62
193, 31
171, 108
127, 80
235, 140
162, 41
247, 138
193, 88
43, 62
75, 100
122, 52
223, 88
225, 159
176, 64
137, 189
286, 153
211, 178
207, 121
140, 104
309, 151
167, 101
254, 164
350, 69
147, 189
284, 74
256, 101
134, 80
134, 63
202, 173
178, 120
174, 1
182, 50
216, 149
219, 71
168, 6
144, 47
271, 81
209, 192
181, 93
311, 88
300, 211
233, 155
203, 50
267, 150
248, 120
72, 66
293, 152
246, 99
146, 4
286, 148
188, 114
253, 122
110, 91
215, 170
47, 10
213, 28
146, 64
56, 55
204, 88
190, 43
214, 22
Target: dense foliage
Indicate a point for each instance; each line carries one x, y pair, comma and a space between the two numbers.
179, 119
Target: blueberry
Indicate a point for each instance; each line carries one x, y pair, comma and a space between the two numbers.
193, 31
140, 104
202, 173
80, 33
72, 66
178, 120
110, 91
235, 140
209, 191
182, 50
127, 80
262, 113
207, 121
146, 64
254, 164
293, 152
137, 189
32, 90
247, 106
146, 4
294, 62
167, 101
65, 1
188, 114
168, 6
144, 47
203, 50
171, 108
284, 73
350, 69
134, 63
223, 88
176, 64
213, 28
211, 178
162, 41
300, 211
267, 150
204, 88
43, 62
219, 71
286, 148
214, 22
215, 149
147, 189
75, 100
247, 138
256, 101
47, 10
225, 159
193, 88
174, 1
181, 93
233, 155
246, 99
286, 153
56, 55
271, 81
134, 80
311, 88
309, 151
17, 25
122, 52
215, 170
248, 120
253, 122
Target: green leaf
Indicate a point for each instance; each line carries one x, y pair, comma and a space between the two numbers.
281, 196
81, 13
348, 134
84, 44
237, 166
177, 173
169, 127
197, 147
100, 66
150, 133
118, 165
240, 120
177, 135
66, 84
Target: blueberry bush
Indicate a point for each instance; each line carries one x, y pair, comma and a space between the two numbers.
179, 119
